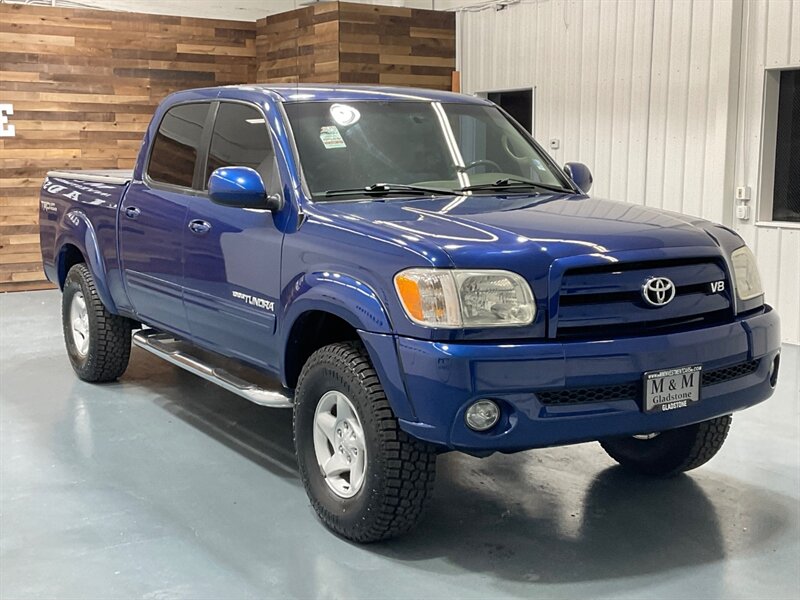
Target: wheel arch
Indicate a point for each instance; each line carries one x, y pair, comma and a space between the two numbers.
331, 307
79, 241
310, 331
325, 306
67, 257
315, 329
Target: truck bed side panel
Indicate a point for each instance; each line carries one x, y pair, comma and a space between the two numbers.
83, 213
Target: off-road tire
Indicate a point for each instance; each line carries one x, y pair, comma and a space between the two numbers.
671, 452
400, 470
109, 335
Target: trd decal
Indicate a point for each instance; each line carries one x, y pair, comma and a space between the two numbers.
69, 189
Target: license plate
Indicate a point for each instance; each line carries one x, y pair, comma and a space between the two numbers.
670, 389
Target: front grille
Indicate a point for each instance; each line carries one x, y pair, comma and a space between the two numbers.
624, 391
633, 391
728, 373
601, 301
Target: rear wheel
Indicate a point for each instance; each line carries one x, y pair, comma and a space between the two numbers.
98, 343
670, 452
366, 478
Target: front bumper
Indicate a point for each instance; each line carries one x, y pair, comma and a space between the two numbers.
431, 384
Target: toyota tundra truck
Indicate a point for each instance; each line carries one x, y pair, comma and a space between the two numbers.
410, 273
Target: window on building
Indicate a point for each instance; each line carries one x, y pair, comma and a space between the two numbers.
517, 103
241, 139
176, 145
786, 183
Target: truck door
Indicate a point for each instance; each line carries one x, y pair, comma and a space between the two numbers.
152, 219
232, 255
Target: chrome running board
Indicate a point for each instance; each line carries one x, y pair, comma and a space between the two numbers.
199, 362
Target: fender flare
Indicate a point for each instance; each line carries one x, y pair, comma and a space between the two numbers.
356, 303
342, 295
76, 229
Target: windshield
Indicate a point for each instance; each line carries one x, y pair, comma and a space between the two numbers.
353, 145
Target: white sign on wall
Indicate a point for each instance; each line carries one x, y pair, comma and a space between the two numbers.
6, 129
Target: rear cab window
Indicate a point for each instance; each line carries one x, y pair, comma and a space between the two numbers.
177, 145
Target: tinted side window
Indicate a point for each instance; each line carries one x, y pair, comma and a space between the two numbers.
176, 145
241, 139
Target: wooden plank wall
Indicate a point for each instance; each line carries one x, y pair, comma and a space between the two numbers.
299, 45
345, 42
396, 46
84, 84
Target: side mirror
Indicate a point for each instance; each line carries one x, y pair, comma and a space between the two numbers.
241, 187
580, 174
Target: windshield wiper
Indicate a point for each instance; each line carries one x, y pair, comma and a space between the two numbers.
512, 183
380, 189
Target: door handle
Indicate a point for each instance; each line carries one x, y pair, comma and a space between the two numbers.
132, 212
199, 227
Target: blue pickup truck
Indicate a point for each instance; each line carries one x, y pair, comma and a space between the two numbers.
410, 273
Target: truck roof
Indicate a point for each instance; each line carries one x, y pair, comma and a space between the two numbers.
286, 92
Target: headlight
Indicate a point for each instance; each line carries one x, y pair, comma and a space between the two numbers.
745, 273
453, 298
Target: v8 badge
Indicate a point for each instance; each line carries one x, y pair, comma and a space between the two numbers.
717, 286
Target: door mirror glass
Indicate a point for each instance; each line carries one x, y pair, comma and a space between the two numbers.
580, 174
241, 187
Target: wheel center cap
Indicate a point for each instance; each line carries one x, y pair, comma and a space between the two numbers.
346, 438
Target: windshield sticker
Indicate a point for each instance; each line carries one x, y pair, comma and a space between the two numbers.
539, 165
331, 138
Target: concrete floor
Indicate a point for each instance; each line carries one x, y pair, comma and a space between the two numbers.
162, 486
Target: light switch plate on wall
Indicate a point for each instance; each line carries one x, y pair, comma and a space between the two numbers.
743, 192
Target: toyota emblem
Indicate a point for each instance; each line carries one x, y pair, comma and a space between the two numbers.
658, 291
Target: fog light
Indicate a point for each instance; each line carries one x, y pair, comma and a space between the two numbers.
482, 415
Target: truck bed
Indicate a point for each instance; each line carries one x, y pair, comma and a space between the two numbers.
74, 204
109, 176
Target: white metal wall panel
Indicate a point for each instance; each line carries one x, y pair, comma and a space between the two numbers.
638, 114
588, 61
638, 90
771, 38
651, 94
690, 101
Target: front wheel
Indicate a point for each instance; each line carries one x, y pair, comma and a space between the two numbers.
366, 478
670, 452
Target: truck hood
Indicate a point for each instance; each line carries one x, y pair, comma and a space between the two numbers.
495, 226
